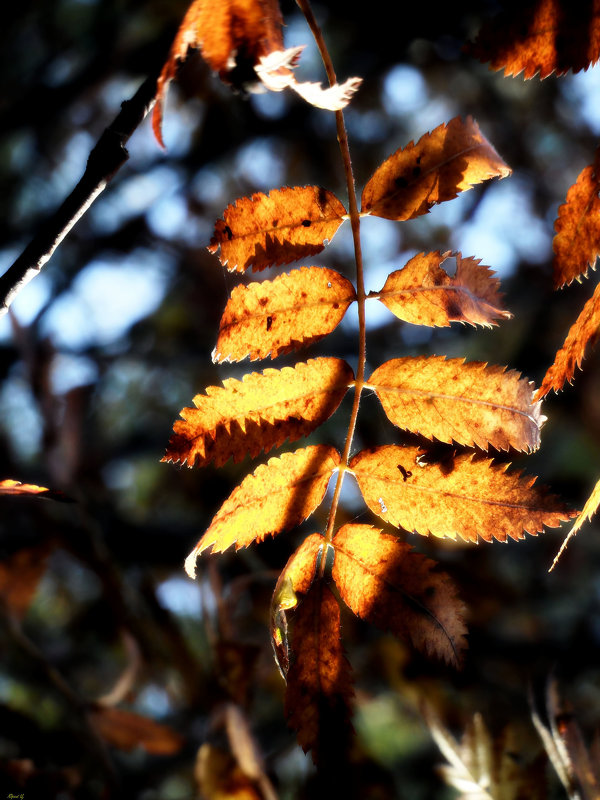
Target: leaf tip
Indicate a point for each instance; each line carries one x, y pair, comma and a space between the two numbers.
190, 563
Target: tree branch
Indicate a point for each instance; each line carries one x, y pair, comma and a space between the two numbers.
106, 158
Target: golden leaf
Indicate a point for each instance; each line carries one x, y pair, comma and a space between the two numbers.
11, 487
584, 332
464, 497
588, 511
259, 412
468, 403
424, 294
384, 582
126, 730
577, 242
449, 160
285, 225
319, 684
276, 497
544, 36
275, 317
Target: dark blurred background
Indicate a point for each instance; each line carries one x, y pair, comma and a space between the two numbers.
104, 348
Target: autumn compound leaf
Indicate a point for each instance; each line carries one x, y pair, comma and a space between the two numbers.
466, 497
126, 731
424, 294
276, 497
544, 36
275, 317
584, 332
319, 682
577, 242
468, 403
268, 230
449, 160
259, 412
382, 581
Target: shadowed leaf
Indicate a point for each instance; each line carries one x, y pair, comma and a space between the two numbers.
319, 683
126, 731
268, 230
468, 403
259, 412
20, 574
424, 294
449, 160
465, 497
275, 317
276, 497
382, 581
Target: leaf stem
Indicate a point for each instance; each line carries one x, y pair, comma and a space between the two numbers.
354, 216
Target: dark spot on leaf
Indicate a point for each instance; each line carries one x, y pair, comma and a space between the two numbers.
275, 223
416, 172
269, 323
336, 305
401, 182
228, 232
419, 159
263, 301
405, 472
306, 223
429, 591
322, 197
453, 309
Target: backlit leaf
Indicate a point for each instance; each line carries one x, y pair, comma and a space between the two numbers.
464, 497
275, 317
584, 332
276, 497
541, 37
16, 488
319, 683
396, 589
588, 511
285, 225
231, 34
259, 412
126, 730
424, 294
577, 242
449, 160
468, 403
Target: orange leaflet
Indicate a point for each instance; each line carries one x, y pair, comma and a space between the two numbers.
424, 294
126, 730
275, 317
544, 36
230, 35
468, 403
464, 497
20, 575
268, 230
382, 581
319, 682
296, 578
259, 412
276, 497
584, 332
588, 511
577, 242
449, 160
17, 488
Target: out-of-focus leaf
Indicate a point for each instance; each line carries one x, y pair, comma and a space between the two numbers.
16, 488
220, 777
20, 574
126, 731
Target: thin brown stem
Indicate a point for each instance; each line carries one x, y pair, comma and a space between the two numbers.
354, 215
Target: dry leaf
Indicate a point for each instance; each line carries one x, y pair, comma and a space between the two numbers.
464, 497
20, 574
449, 160
268, 230
577, 242
424, 294
259, 412
382, 581
275, 317
584, 332
319, 683
235, 33
126, 730
544, 36
276, 497
468, 403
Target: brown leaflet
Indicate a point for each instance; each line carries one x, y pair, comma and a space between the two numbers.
577, 242
319, 681
384, 582
229, 34
259, 412
296, 578
466, 497
289, 312
126, 731
424, 294
268, 230
468, 403
544, 36
584, 332
277, 496
450, 159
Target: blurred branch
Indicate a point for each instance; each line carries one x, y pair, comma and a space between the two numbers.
105, 159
